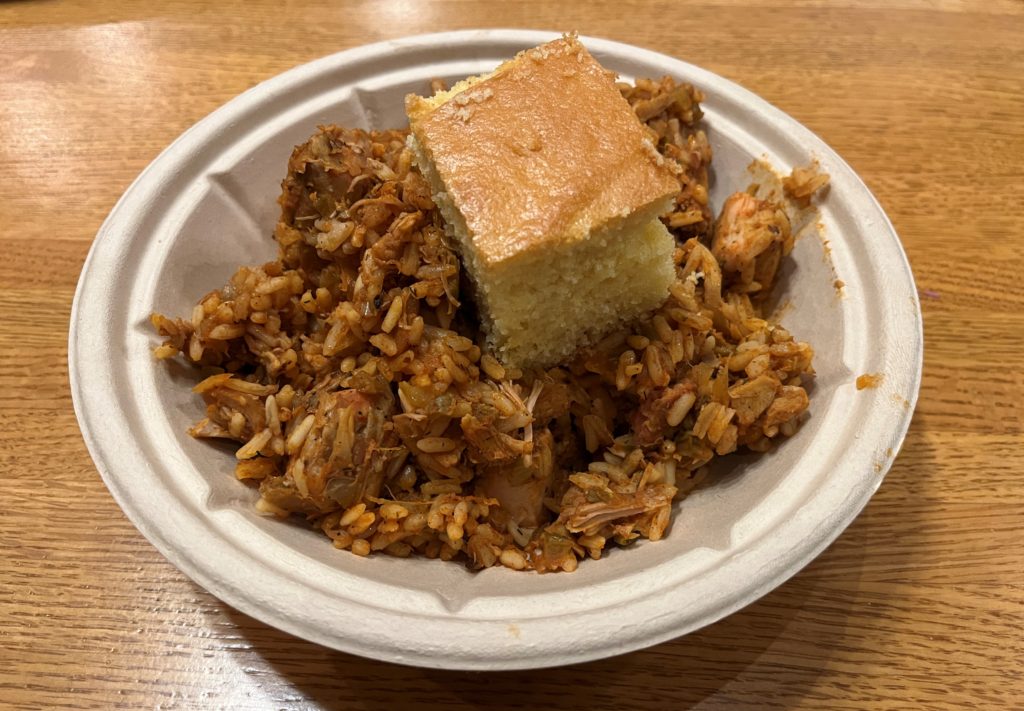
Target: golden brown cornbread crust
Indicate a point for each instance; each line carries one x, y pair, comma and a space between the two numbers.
541, 153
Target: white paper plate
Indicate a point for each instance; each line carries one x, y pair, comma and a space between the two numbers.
207, 205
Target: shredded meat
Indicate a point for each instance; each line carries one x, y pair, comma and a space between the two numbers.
751, 238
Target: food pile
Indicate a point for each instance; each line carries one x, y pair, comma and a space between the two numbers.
354, 377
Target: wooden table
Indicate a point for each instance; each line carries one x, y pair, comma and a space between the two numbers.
920, 604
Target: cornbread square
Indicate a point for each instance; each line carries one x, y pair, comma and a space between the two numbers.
552, 189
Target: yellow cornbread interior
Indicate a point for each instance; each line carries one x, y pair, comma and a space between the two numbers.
541, 308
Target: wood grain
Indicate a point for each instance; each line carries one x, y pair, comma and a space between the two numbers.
920, 604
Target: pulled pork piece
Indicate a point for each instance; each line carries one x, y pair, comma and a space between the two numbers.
790, 403
583, 515
662, 411
235, 408
520, 487
803, 183
341, 448
751, 238
620, 499
753, 397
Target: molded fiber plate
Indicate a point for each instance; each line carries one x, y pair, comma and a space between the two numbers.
207, 205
